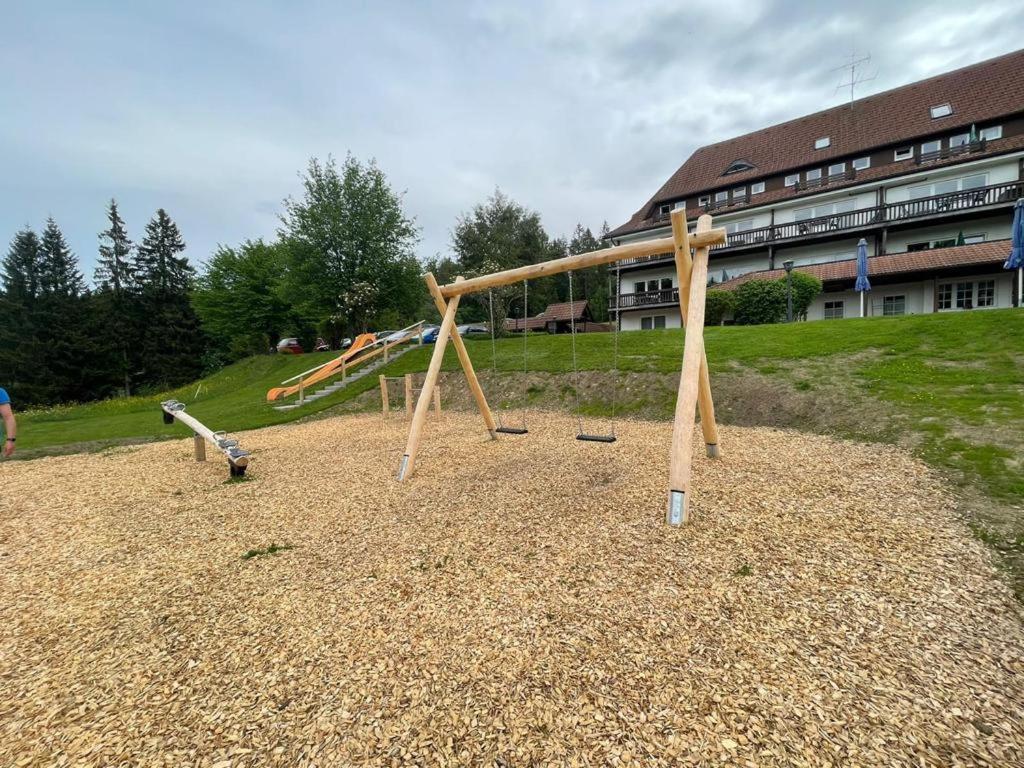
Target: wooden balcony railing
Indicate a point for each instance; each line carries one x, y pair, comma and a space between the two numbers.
947, 152
645, 299
948, 203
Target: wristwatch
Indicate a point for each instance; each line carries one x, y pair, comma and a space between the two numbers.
11, 439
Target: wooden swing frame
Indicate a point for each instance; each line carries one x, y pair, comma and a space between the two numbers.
694, 383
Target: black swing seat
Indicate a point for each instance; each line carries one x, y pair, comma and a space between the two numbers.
512, 430
596, 438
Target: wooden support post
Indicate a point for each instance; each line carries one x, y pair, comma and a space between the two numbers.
385, 406
342, 370
684, 267
302, 392
408, 394
420, 335
437, 401
681, 456
199, 445
412, 447
467, 364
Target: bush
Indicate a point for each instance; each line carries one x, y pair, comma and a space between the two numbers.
764, 301
760, 301
805, 288
719, 304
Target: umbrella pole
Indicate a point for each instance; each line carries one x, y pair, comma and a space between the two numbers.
862, 303
1020, 287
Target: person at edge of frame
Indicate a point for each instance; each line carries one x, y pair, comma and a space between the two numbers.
10, 425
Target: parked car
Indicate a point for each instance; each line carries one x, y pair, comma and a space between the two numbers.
472, 330
346, 343
289, 347
384, 334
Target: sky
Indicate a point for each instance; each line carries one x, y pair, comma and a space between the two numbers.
578, 110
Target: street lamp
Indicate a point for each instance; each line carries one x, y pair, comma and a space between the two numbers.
788, 266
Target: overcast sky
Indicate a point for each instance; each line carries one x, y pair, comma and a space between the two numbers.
578, 110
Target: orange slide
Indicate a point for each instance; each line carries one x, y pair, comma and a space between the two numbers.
333, 368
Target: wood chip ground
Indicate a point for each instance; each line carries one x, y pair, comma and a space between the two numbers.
518, 603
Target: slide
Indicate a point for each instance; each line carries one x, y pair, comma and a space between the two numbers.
333, 368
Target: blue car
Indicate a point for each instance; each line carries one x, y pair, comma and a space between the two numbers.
430, 334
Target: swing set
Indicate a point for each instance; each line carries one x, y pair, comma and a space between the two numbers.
694, 385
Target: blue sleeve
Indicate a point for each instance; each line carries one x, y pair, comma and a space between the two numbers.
5, 399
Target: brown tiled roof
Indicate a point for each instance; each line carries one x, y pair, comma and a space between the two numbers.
561, 311
978, 93
991, 252
555, 312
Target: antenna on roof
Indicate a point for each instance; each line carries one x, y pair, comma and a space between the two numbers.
856, 77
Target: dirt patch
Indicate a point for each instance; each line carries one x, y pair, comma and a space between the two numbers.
518, 602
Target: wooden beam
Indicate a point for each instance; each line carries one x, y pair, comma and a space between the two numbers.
408, 394
581, 261
437, 401
464, 361
199, 446
385, 404
684, 267
681, 456
412, 447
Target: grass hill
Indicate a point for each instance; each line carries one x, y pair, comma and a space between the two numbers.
949, 387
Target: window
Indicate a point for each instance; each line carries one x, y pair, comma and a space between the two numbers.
757, 188
703, 201
995, 132
945, 242
649, 323
739, 193
942, 110
959, 140
861, 163
792, 179
813, 175
639, 286
945, 296
931, 147
678, 205
652, 285
828, 209
986, 293
666, 284
972, 239
664, 210
904, 153
721, 197
833, 310
964, 295
911, 247
894, 305
739, 226
822, 143
738, 166
946, 186
836, 169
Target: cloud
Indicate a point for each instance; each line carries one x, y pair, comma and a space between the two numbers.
579, 110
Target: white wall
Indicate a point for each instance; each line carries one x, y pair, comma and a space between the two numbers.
654, 273
631, 319
864, 199
920, 296
820, 253
736, 265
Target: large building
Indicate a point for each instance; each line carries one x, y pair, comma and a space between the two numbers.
927, 173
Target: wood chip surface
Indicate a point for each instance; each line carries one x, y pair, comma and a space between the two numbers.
517, 603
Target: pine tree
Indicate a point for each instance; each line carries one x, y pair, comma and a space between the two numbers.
158, 264
117, 300
18, 344
115, 269
58, 267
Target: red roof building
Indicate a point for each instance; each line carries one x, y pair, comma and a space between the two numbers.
917, 168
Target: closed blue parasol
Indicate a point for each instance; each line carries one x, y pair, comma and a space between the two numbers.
1016, 260
863, 285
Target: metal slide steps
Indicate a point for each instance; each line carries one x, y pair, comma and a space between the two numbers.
341, 384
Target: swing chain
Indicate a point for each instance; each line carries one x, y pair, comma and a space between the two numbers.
575, 368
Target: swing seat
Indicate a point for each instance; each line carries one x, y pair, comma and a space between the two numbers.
512, 430
595, 438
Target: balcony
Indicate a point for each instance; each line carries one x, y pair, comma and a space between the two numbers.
947, 152
876, 217
645, 299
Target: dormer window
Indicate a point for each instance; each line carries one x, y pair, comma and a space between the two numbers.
664, 210
941, 110
823, 143
738, 166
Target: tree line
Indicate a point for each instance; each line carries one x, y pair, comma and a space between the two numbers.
342, 261
61, 341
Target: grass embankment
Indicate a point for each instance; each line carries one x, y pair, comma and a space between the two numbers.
950, 387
